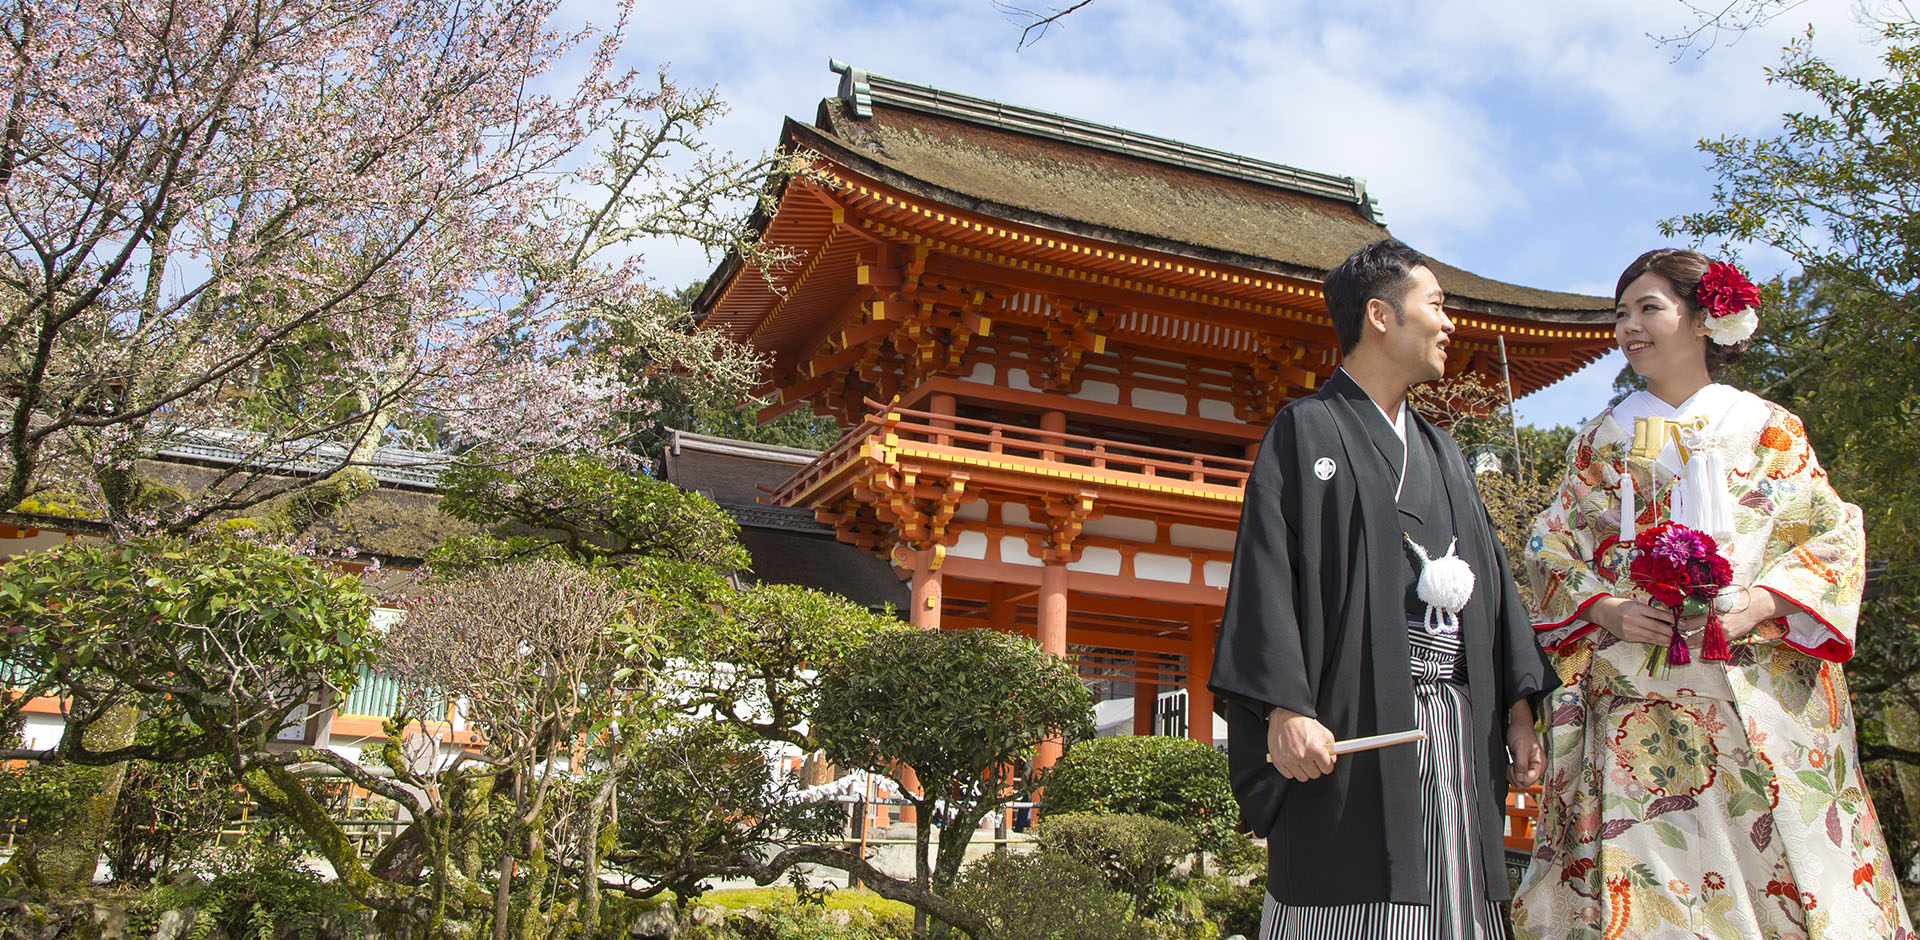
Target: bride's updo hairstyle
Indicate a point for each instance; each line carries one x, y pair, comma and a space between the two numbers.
1683, 269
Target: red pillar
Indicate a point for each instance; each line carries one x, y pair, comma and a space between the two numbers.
1201, 628
1056, 423
1144, 694
942, 405
1052, 633
926, 591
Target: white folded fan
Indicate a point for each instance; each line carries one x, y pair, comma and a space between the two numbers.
1371, 742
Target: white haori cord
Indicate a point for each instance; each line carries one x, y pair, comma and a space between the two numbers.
1702, 502
1446, 583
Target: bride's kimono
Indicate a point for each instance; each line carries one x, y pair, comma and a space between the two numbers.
1713, 799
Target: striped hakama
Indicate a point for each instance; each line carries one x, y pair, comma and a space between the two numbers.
1456, 877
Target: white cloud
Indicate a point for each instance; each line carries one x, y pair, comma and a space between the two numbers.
1538, 142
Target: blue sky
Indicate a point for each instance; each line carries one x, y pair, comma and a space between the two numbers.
1534, 141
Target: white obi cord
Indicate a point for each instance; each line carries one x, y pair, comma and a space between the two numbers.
1446, 583
1627, 510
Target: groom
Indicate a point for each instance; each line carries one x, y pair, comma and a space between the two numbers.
1327, 637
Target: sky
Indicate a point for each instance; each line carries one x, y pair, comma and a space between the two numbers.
1534, 141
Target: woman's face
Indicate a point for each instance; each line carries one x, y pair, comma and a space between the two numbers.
1659, 332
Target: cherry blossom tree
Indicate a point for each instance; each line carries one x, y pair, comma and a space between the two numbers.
313, 227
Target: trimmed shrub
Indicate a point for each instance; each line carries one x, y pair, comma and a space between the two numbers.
1178, 780
1231, 904
1046, 895
1131, 850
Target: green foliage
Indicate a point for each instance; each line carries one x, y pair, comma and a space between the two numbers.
35, 797
964, 709
168, 813
703, 404
1176, 911
260, 889
1178, 780
595, 513
789, 920
694, 800
297, 511
1233, 905
953, 705
776, 642
63, 505
217, 640
1131, 850
1046, 896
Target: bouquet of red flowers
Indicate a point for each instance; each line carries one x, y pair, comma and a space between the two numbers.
1683, 569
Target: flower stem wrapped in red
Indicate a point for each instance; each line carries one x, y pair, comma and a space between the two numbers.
1683, 569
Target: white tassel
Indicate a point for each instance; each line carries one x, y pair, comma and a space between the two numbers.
1701, 501
1627, 509
1446, 584
1706, 506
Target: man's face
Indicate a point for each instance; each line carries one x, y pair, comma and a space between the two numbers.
1417, 333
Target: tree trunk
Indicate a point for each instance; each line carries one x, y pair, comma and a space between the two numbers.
63, 857
922, 831
504, 891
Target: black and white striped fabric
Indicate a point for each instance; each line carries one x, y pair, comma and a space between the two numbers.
1456, 879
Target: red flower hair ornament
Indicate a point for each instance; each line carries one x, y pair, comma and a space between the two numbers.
1731, 301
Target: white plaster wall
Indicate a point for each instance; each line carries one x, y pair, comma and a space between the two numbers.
1217, 410
1215, 573
1195, 536
41, 732
982, 373
1175, 568
1013, 551
1102, 392
1097, 560
1131, 528
969, 545
1156, 400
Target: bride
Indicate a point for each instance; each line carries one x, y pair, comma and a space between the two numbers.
1702, 778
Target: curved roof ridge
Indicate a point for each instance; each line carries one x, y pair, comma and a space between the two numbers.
861, 89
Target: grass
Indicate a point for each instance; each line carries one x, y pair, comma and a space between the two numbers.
839, 899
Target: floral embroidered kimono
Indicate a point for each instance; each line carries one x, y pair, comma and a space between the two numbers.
1712, 799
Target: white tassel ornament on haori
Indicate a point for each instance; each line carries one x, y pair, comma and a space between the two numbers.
1445, 585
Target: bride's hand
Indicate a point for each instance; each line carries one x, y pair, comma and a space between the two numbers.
1632, 620
1762, 606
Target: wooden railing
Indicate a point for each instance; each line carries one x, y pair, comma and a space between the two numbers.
1523, 814
905, 425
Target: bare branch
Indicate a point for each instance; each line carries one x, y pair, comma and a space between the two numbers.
1037, 22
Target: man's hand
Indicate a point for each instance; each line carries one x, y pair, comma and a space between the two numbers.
1301, 748
1529, 760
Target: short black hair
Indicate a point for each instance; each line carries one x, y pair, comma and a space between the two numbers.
1379, 270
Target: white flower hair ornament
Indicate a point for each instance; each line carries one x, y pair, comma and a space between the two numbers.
1731, 301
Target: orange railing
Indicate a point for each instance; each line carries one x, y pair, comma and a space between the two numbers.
1523, 813
1020, 444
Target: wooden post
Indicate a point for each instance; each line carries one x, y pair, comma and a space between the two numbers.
1199, 666
1051, 630
926, 591
1144, 695
1053, 422
942, 405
